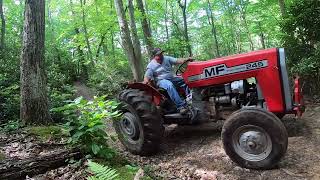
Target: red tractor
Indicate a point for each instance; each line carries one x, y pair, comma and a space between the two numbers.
255, 86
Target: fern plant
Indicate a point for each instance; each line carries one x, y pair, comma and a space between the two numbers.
101, 172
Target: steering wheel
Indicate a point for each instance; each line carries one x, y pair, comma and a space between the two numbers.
182, 68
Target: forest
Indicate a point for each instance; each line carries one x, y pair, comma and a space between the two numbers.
62, 64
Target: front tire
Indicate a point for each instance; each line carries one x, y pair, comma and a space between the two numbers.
254, 138
141, 128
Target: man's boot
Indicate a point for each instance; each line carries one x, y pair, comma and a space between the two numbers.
183, 110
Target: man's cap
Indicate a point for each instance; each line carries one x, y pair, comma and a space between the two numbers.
156, 51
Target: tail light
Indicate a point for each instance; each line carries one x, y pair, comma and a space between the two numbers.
299, 107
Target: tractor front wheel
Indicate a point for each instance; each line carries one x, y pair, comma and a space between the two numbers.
254, 138
141, 128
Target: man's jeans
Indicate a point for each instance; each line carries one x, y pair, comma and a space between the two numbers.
169, 86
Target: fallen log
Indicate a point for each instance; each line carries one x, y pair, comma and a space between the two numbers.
19, 169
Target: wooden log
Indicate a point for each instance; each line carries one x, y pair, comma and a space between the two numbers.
19, 169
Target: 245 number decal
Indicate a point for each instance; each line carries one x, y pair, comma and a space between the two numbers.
255, 65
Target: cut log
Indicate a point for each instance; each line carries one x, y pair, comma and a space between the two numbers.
19, 169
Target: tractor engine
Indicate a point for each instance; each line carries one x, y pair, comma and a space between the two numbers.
230, 96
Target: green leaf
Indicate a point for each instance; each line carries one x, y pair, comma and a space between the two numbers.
78, 100
102, 172
95, 149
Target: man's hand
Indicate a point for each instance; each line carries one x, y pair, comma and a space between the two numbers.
191, 59
146, 80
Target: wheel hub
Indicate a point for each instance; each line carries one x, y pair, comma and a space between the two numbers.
252, 143
129, 127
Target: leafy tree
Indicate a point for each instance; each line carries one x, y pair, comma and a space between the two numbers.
302, 39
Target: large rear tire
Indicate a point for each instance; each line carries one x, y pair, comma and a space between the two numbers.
254, 138
141, 128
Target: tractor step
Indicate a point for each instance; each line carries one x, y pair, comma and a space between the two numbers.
176, 116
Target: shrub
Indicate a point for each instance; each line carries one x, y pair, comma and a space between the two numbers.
58, 98
9, 100
11, 125
86, 124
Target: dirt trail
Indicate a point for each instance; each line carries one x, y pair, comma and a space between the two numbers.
191, 152
83, 90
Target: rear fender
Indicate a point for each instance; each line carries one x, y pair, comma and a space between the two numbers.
157, 97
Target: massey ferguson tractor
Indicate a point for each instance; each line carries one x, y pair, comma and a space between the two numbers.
254, 86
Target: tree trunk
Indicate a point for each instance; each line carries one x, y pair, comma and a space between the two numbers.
227, 7
185, 25
282, 7
135, 64
166, 20
244, 19
145, 28
146, 12
106, 51
53, 36
34, 97
238, 43
85, 29
103, 45
3, 27
82, 67
19, 169
134, 34
112, 34
213, 29
262, 38
113, 48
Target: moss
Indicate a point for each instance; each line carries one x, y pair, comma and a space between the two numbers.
128, 173
118, 161
125, 173
47, 132
2, 156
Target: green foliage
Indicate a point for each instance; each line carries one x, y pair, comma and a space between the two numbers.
302, 39
59, 96
86, 124
11, 125
109, 77
9, 100
101, 172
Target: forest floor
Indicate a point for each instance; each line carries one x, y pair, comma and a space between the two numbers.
187, 152
197, 152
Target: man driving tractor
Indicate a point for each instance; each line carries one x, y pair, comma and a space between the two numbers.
159, 70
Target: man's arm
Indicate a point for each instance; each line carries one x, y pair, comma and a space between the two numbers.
182, 60
148, 76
